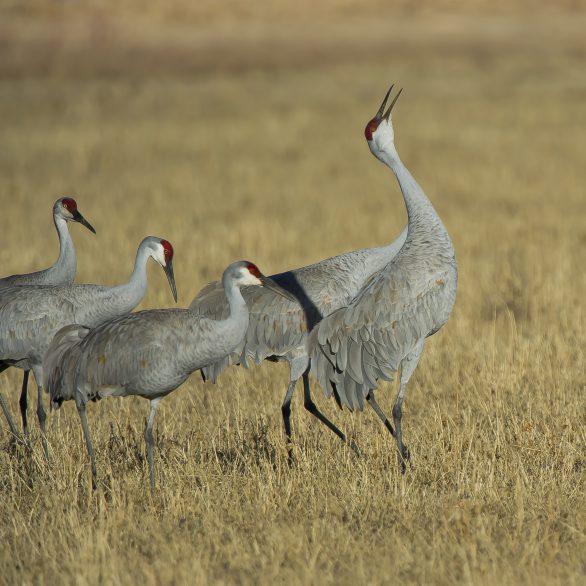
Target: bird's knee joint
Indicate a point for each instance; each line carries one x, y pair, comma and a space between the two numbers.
397, 411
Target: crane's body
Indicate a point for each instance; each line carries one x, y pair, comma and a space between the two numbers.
62, 272
383, 329
30, 316
149, 353
279, 327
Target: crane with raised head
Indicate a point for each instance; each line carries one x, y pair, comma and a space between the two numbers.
148, 353
61, 272
383, 330
279, 327
31, 316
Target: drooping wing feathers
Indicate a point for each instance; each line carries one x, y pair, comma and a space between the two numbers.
355, 346
277, 325
60, 360
27, 317
148, 353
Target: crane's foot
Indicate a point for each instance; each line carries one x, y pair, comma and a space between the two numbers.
404, 458
355, 448
290, 456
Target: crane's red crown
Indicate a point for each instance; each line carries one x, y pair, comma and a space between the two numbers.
168, 249
371, 127
253, 270
69, 204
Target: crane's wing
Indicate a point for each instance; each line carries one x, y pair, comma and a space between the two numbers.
276, 324
28, 317
60, 362
355, 346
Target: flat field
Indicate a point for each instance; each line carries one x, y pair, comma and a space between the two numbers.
267, 161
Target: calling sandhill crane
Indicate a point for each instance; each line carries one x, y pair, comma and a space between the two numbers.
383, 330
279, 328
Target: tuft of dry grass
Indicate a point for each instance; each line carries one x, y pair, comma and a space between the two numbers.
271, 165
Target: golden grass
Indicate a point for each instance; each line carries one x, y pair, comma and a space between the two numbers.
271, 165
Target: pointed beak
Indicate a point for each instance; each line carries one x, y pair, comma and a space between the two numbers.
77, 217
270, 284
168, 268
388, 112
381, 110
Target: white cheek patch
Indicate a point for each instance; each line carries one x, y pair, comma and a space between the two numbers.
159, 255
250, 279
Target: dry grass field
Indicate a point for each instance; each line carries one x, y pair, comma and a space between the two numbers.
266, 160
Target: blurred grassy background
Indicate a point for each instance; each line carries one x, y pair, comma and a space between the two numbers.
235, 131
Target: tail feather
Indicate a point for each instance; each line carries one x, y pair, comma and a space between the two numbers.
60, 363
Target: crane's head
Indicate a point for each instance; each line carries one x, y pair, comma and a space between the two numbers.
379, 131
66, 208
244, 272
162, 251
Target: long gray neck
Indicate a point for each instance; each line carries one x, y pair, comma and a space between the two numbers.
238, 307
424, 225
129, 295
64, 269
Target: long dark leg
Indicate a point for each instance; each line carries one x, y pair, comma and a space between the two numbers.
404, 455
312, 408
38, 374
372, 402
88, 441
148, 436
286, 411
24, 402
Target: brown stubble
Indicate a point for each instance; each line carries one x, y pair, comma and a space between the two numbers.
270, 164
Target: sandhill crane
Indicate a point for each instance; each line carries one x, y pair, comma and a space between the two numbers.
30, 316
62, 272
383, 329
279, 328
148, 353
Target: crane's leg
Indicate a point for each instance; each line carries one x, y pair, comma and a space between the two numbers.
286, 412
375, 406
408, 365
148, 436
5, 409
6, 412
312, 408
403, 451
24, 402
88, 441
38, 374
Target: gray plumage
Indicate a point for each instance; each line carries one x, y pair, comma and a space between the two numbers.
31, 315
62, 272
149, 353
279, 327
383, 329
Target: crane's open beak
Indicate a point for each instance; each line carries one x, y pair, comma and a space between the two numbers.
270, 284
388, 112
77, 217
168, 268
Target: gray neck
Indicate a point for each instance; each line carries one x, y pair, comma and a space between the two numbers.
235, 299
424, 225
129, 295
64, 269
